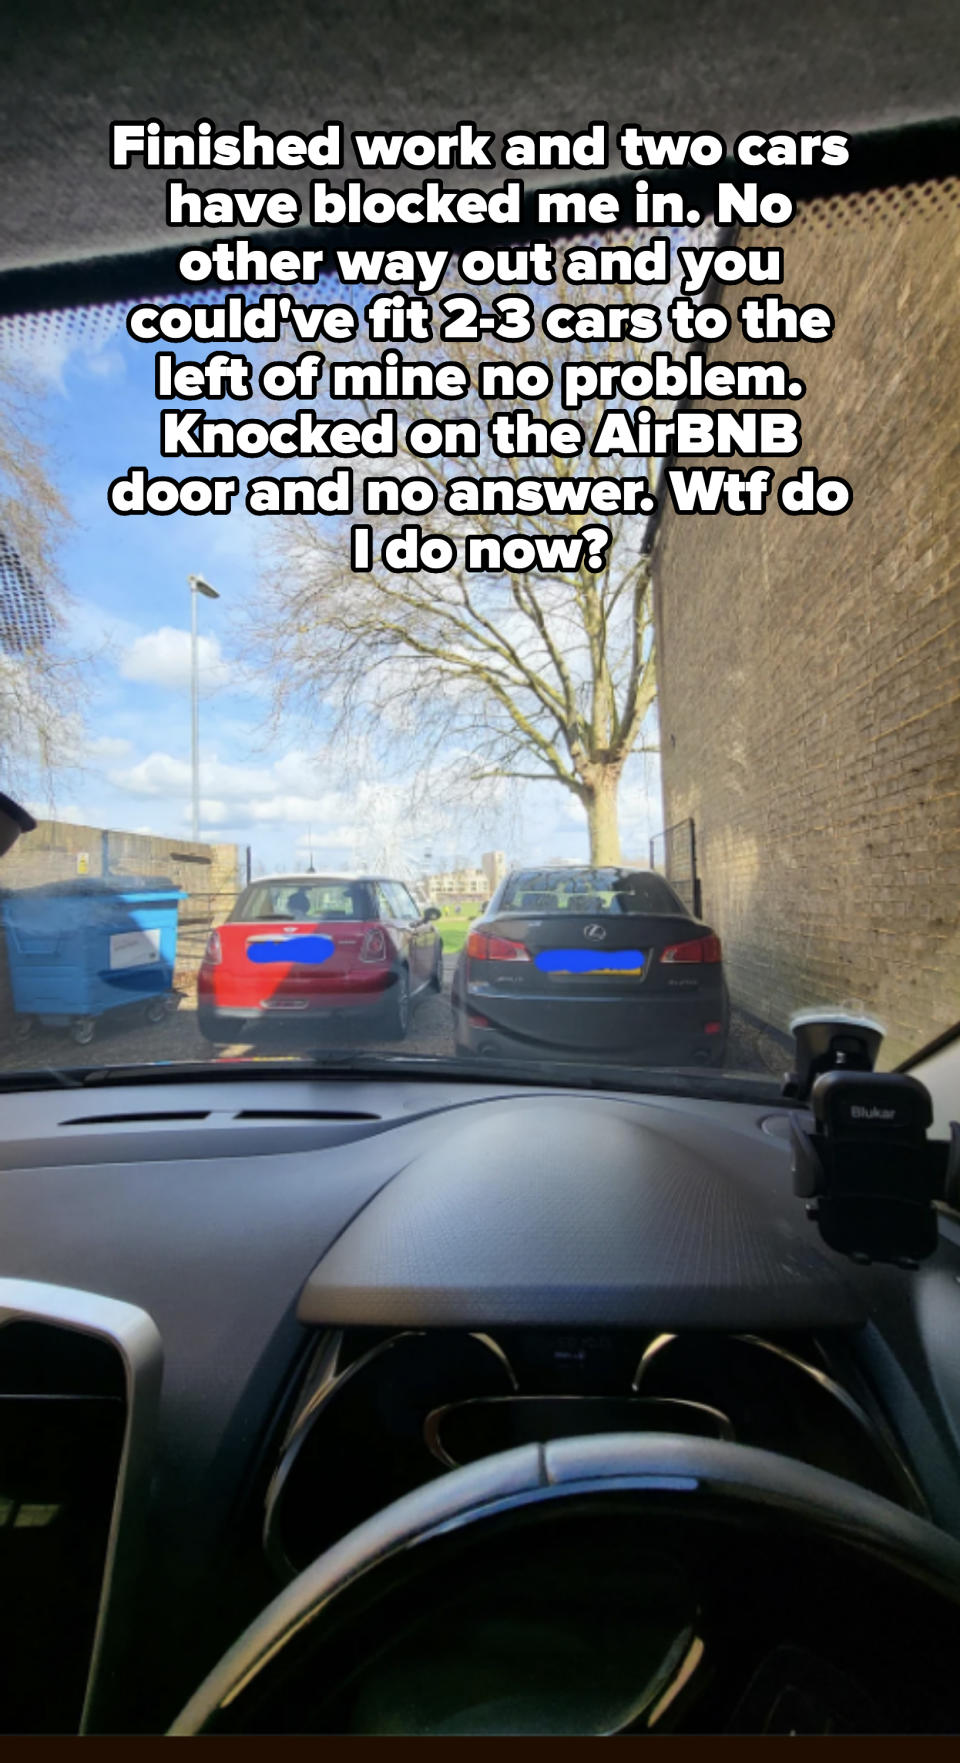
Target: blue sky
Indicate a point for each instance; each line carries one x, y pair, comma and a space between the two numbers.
282, 795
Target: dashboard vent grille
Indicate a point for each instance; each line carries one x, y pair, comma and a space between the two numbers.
136, 1119
303, 1114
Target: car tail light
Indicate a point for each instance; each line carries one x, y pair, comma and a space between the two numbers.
375, 945
480, 947
713, 1028
700, 949
213, 952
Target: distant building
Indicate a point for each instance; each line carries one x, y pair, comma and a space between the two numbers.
452, 885
494, 866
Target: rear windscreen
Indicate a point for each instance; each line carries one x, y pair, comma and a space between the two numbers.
327, 900
600, 890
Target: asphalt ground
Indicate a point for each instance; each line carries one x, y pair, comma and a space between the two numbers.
125, 1037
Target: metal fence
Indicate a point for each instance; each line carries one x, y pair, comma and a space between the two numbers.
674, 853
196, 919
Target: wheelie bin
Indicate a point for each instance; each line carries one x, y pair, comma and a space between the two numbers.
77, 949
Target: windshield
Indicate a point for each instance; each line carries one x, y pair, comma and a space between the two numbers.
551, 645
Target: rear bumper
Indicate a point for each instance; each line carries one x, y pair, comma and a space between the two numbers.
238, 998
237, 1015
615, 1031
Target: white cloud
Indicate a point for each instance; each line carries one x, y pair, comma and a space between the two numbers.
67, 813
300, 810
292, 792
157, 775
311, 802
214, 813
42, 354
318, 813
312, 841
160, 774
162, 658
236, 539
108, 748
340, 838
641, 807
92, 630
42, 347
106, 364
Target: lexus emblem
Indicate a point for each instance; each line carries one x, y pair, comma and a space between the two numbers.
596, 933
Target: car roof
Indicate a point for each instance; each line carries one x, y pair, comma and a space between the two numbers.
323, 875
310, 875
582, 869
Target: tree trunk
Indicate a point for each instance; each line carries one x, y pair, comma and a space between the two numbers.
602, 818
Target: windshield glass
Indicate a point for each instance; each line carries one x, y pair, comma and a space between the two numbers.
479, 690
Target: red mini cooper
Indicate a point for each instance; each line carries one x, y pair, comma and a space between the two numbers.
314, 946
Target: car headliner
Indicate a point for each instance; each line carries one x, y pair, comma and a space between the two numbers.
71, 68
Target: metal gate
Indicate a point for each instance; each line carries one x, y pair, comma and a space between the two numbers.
674, 853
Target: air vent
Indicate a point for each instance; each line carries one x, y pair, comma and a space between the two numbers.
303, 1114
160, 1117
39, 1359
62, 1423
136, 1119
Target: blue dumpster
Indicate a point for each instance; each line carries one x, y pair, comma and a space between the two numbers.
78, 948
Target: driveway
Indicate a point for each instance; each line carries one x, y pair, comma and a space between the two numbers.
128, 1039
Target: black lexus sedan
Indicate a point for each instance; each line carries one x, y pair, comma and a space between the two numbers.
591, 963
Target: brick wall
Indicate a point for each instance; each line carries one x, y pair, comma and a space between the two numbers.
211, 876
810, 668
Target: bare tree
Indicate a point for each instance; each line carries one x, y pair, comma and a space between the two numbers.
542, 677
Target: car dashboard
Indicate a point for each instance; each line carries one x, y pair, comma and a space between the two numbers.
244, 1311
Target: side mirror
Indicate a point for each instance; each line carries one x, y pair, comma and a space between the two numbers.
431, 914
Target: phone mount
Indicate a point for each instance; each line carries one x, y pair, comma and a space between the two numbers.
863, 1162
867, 1170
830, 1043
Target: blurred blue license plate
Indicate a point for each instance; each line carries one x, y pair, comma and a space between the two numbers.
569, 961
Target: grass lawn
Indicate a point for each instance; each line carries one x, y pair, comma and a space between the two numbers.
454, 930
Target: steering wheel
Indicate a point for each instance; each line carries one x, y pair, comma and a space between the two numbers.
611, 1584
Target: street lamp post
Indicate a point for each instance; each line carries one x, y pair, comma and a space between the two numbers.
197, 586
